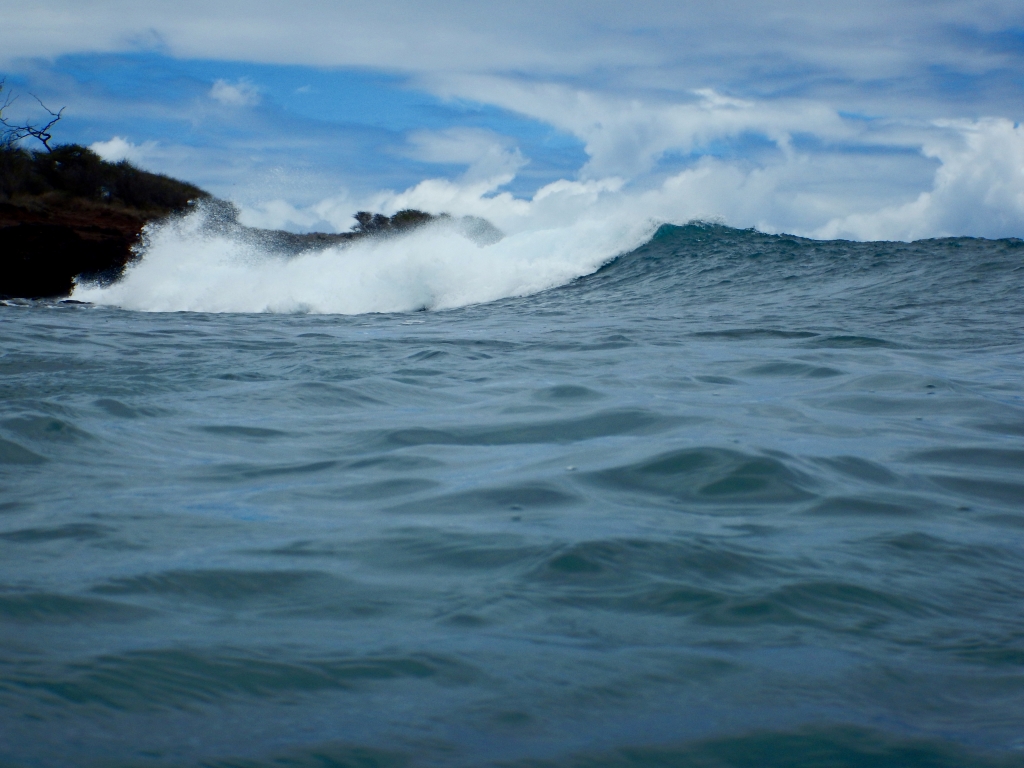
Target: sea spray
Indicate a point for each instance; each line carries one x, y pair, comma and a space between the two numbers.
187, 264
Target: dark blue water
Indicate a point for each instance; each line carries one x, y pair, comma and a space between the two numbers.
734, 500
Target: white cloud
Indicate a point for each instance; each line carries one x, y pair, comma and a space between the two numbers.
490, 157
868, 53
239, 94
627, 136
118, 148
978, 189
855, 179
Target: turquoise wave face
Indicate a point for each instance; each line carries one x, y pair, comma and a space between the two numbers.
732, 500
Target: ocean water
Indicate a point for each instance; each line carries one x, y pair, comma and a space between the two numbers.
731, 499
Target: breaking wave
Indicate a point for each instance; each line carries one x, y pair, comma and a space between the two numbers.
188, 265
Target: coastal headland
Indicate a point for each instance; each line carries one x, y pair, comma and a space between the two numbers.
68, 215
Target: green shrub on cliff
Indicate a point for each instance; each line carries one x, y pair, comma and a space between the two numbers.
377, 223
16, 174
75, 172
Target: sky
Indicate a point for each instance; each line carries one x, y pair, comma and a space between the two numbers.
896, 119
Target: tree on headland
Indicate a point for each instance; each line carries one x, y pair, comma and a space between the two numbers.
377, 223
367, 222
12, 133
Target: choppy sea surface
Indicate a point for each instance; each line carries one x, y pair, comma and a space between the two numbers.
732, 500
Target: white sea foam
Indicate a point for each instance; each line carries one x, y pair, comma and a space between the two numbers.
189, 266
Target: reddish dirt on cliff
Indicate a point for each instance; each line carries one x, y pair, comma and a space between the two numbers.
45, 244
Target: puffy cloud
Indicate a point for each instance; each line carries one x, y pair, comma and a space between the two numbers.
850, 179
118, 148
978, 189
489, 156
628, 136
239, 94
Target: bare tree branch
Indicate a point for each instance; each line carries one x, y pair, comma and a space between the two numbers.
12, 133
6, 137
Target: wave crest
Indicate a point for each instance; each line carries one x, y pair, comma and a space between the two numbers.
194, 263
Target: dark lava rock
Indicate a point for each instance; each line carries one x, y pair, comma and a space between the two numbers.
43, 251
68, 213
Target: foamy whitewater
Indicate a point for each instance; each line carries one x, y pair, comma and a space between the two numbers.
625, 496
188, 267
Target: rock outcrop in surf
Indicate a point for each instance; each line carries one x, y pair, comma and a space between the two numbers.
68, 216
220, 217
